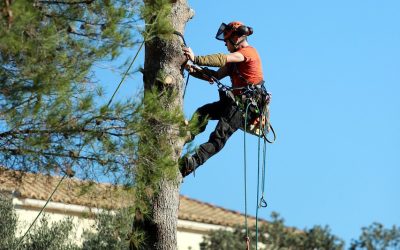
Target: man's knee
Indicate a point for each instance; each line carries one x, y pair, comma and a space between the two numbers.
219, 137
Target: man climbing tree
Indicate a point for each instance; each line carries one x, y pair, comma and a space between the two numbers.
243, 66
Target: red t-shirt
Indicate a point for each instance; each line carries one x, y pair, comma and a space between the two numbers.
250, 69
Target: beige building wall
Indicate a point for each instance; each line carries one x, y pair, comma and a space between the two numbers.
28, 209
190, 234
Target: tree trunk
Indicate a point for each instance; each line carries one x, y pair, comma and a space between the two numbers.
163, 69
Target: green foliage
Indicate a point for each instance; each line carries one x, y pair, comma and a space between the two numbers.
51, 115
377, 237
50, 236
155, 14
52, 112
320, 238
112, 231
42, 236
8, 224
154, 131
158, 120
274, 235
225, 240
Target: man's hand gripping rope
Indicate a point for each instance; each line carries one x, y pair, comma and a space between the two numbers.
194, 69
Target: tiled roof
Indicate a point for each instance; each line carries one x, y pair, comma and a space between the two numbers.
100, 195
199, 211
71, 190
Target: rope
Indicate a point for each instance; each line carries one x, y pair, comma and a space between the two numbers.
134, 59
41, 210
273, 133
184, 43
68, 172
258, 181
126, 73
247, 238
261, 203
181, 36
186, 84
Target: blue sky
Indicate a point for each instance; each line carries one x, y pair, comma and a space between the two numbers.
333, 68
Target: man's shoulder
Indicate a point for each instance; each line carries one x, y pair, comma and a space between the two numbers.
247, 49
249, 52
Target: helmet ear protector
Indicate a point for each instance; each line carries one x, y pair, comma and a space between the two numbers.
244, 30
225, 31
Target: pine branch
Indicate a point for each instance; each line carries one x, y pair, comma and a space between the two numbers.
18, 105
70, 154
30, 132
74, 19
92, 36
69, 3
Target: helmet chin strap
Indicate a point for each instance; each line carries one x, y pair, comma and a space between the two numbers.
236, 45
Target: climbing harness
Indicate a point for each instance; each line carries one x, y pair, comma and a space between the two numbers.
258, 98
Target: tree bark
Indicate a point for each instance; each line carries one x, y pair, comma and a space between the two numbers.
165, 57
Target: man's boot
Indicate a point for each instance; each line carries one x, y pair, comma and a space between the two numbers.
188, 165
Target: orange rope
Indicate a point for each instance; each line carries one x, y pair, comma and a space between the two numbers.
247, 242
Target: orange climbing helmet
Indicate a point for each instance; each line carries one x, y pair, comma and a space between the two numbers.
226, 31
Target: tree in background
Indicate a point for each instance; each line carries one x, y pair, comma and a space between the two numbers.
8, 224
52, 110
112, 231
43, 235
377, 237
274, 235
